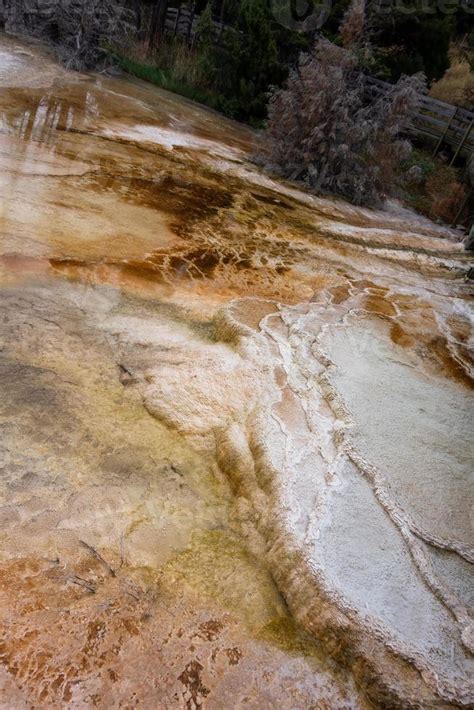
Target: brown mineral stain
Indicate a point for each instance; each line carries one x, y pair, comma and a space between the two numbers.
340, 293
191, 679
466, 354
280, 376
211, 629
170, 193
250, 312
406, 303
379, 306
17, 268
460, 327
362, 284
400, 337
234, 655
21, 262
437, 351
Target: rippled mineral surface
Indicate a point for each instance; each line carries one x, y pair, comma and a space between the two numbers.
236, 420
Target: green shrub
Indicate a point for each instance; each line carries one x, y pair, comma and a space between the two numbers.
421, 159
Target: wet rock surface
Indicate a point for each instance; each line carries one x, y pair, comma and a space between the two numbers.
235, 419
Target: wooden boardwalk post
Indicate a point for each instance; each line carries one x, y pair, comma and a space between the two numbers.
191, 22
461, 209
445, 132
461, 145
177, 21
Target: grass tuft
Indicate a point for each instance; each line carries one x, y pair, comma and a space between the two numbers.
165, 79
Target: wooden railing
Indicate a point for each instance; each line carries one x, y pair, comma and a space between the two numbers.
438, 121
183, 21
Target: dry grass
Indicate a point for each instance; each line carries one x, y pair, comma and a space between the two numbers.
457, 85
174, 57
440, 193
174, 67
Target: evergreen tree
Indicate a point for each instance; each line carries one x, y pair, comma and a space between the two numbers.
243, 61
412, 39
409, 36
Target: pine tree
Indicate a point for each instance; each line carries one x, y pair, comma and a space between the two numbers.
243, 61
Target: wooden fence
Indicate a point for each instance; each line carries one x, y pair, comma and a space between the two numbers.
183, 21
438, 121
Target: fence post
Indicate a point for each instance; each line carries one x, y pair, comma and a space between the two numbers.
464, 139
177, 21
461, 209
191, 20
438, 145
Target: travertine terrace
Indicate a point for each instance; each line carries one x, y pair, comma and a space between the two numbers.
236, 420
